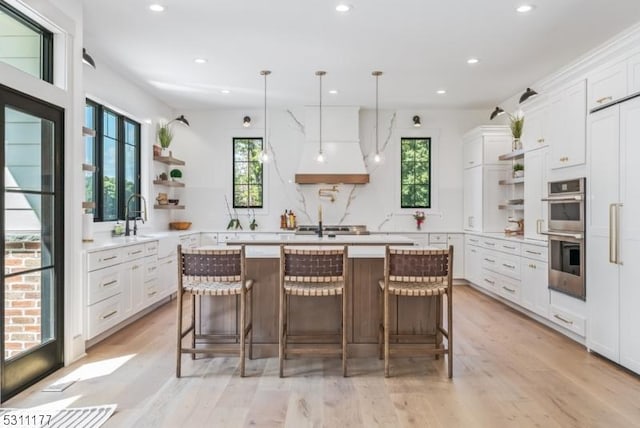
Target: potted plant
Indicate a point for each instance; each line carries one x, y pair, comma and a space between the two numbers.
175, 174
165, 135
518, 170
516, 123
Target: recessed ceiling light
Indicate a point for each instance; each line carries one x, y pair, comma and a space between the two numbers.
441, 91
333, 91
524, 8
225, 91
148, 121
200, 60
473, 61
156, 7
343, 8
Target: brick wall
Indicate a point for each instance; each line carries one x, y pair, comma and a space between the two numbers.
22, 315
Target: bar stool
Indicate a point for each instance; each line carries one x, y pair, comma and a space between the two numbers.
214, 272
417, 273
312, 273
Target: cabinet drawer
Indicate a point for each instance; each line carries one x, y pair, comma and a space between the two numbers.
491, 261
509, 265
437, 238
489, 281
510, 290
490, 243
509, 247
151, 292
472, 240
135, 251
104, 315
102, 259
535, 252
568, 320
103, 283
151, 248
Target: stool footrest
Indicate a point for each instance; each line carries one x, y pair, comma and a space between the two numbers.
314, 351
212, 351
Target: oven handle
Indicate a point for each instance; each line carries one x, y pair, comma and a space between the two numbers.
563, 198
564, 234
614, 233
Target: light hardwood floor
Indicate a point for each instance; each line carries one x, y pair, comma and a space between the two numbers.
509, 371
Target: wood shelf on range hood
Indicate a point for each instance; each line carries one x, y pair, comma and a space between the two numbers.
332, 178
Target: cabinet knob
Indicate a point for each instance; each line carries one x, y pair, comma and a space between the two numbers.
604, 99
541, 140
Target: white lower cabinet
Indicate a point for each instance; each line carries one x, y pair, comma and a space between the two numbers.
457, 240
117, 291
472, 260
534, 294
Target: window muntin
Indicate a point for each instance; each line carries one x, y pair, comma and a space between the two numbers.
115, 152
247, 173
415, 167
25, 44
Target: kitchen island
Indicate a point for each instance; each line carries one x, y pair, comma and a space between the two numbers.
320, 314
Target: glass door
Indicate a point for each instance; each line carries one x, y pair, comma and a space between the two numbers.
31, 143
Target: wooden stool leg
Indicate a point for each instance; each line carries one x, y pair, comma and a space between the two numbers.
344, 332
243, 295
179, 328
386, 334
450, 334
438, 338
251, 323
281, 332
193, 324
380, 323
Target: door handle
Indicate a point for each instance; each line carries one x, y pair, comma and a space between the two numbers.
614, 233
539, 226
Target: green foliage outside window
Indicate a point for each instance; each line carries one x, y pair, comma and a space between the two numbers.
415, 184
247, 173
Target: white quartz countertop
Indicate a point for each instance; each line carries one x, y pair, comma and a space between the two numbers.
351, 240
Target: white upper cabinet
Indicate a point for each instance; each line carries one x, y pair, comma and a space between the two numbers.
484, 144
568, 115
607, 84
536, 124
633, 72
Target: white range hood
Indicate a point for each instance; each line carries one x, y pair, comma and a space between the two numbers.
340, 146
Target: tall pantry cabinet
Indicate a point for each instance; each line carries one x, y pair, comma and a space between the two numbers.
482, 172
613, 233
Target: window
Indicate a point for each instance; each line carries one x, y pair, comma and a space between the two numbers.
115, 151
247, 173
24, 44
415, 184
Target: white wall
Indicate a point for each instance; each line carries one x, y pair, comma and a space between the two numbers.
207, 149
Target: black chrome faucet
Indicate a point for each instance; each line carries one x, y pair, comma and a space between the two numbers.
127, 214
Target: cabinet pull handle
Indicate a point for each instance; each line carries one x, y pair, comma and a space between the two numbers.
510, 290
566, 321
473, 251
489, 260
533, 252
508, 266
471, 162
152, 294
604, 99
109, 315
109, 258
532, 266
134, 267
107, 284
491, 244
614, 233
136, 252
539, 226
508, 248
152, 268
489, 281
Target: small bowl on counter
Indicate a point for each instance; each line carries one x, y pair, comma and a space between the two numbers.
173, 201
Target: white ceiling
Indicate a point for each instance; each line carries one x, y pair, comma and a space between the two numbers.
421, 45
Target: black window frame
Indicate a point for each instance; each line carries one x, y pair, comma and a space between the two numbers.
98, 150
233, 173
46, 46
402, 170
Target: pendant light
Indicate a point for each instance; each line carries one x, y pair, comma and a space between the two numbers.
320, 157
377, 157
264, 154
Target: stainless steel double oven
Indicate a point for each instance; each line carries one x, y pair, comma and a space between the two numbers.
566, 231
